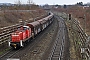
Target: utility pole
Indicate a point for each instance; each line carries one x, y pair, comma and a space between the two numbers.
84, 23
30, 2
69, 16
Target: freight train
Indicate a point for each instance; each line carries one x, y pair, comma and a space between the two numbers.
23, 34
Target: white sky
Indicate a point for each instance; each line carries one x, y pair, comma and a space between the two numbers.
60, 2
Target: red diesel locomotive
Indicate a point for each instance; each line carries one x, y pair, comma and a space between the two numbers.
24, 33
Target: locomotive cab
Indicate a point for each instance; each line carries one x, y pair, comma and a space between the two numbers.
19, 37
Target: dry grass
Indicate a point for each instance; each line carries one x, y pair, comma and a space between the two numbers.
9, 18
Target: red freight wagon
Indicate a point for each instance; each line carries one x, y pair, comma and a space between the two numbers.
35, 27
42, 22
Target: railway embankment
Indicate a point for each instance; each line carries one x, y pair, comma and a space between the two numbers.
79, 42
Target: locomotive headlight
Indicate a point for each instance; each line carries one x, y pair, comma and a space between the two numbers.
14, 46
21, 44
9, 43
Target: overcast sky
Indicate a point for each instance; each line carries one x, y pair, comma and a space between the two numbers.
60, 2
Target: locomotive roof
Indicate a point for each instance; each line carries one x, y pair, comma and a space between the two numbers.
26, 26
42, 21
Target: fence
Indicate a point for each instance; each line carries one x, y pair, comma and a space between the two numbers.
82, 40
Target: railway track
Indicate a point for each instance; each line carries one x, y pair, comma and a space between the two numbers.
9, 54
58, 50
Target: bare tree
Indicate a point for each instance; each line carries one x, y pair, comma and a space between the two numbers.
29, 2
18, 4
